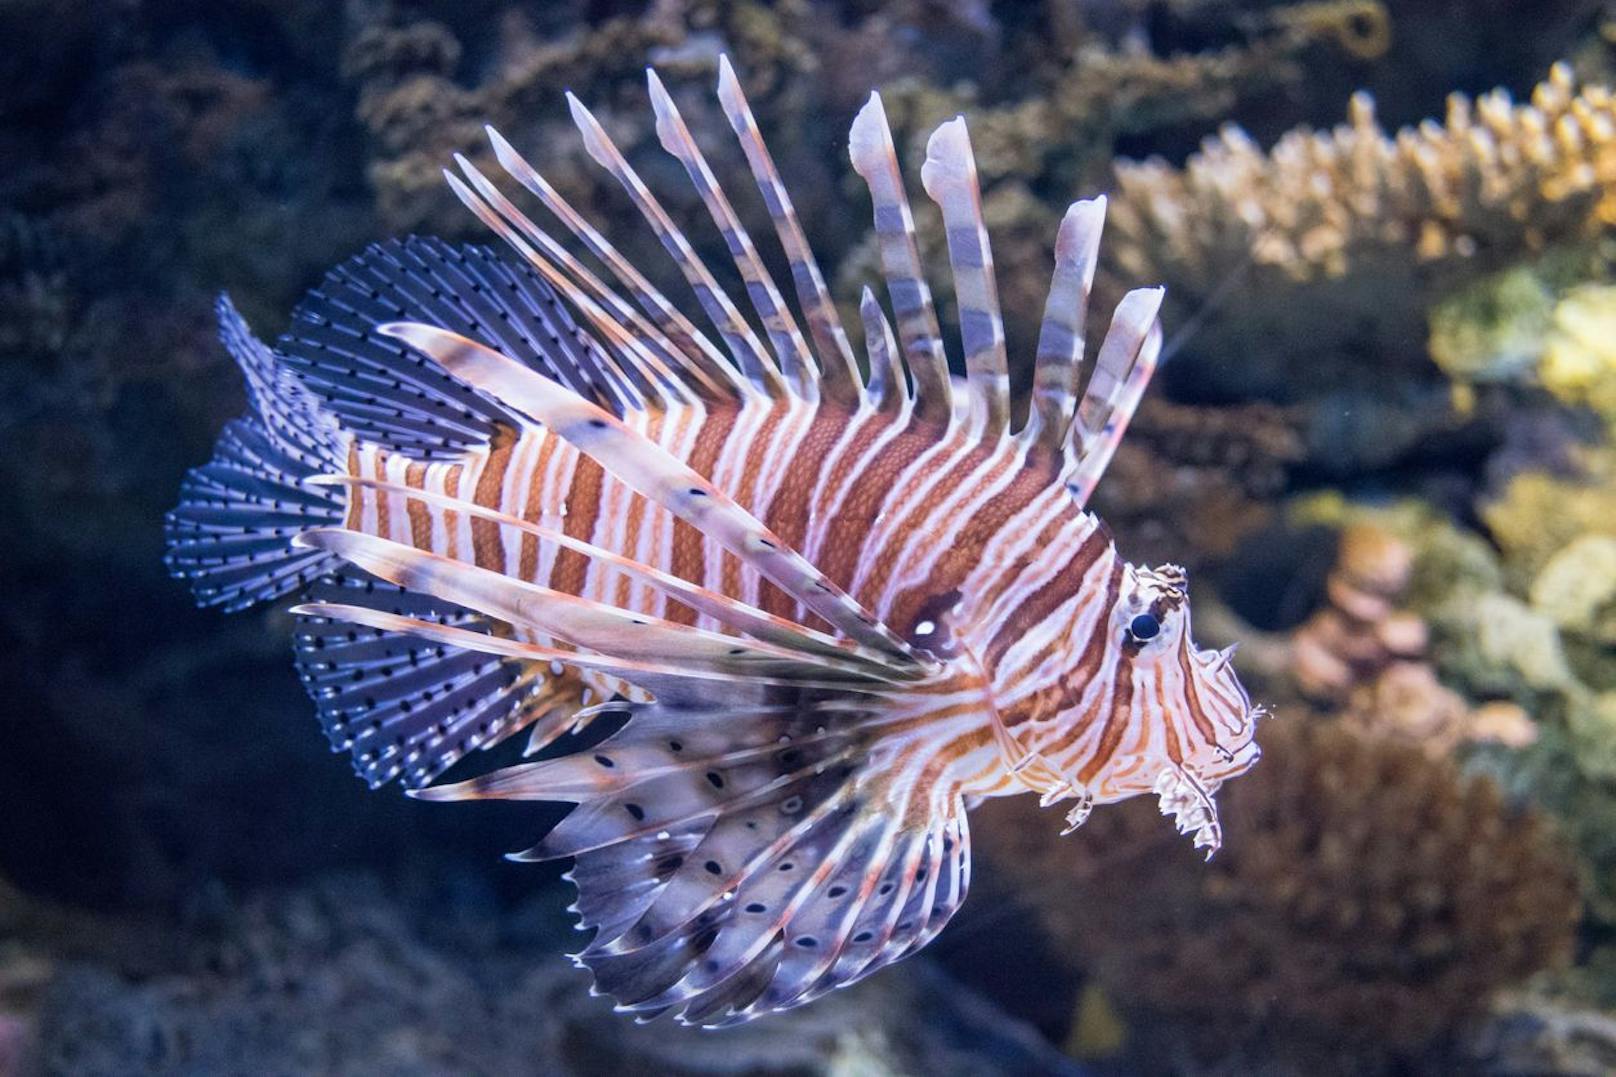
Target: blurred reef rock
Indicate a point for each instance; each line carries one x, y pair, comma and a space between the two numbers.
1368, 901
255, 984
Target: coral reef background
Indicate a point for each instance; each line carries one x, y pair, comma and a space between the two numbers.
1382, 443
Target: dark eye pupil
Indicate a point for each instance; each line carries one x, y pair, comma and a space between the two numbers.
1144, 627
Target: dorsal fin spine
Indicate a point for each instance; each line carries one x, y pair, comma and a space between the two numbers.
650, 346
1061, 336
949, 177
674, 326
837, 363
887, 389
640, 373
1122, 370
790, 349
628, 380
875, 159
732, 327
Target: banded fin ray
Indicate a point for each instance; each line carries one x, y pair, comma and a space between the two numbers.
736, 858
1122, 370
949, 176
675, 675
664, 316
737, 335
582, 622
643, 347
876, 160
384, 393
838, 368
1061, 335
731, 612
650, 471
789, 346
634, 373
887, 386
406, 706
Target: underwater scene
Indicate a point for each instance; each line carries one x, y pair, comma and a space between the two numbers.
825, 537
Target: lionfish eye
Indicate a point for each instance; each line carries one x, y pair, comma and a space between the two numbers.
1144, 627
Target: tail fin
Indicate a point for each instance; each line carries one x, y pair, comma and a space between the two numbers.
230, 536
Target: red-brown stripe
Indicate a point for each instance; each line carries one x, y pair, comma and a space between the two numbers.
874, 425
1068, 691
965, 553
1169, 727
356, 511
384, 508
487, 537
745, 489
689, 547
787, 516
855, 518
1192, 694
451, 519
886, 558
1066, 584
420, 517
527, 564
1115, 722
583, 510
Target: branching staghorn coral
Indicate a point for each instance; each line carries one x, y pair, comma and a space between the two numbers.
1495, 179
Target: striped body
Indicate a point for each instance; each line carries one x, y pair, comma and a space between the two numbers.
897, 511
837, 608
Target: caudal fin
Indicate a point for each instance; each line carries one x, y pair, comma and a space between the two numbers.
230, 536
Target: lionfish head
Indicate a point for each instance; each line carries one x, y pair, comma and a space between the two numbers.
1186, 723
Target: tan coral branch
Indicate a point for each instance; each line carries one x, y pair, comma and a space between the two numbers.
1495, 176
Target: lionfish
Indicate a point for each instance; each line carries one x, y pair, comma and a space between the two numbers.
838, 609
